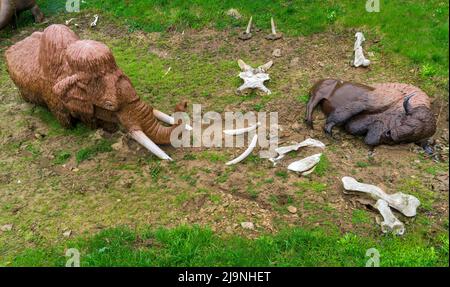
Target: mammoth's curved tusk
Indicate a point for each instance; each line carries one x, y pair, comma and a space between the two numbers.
249, 25
241, 131
143, 139
167, 119
406, 103
245, 154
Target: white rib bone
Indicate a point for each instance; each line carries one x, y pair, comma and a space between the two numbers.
249, 25
94, 23
142, 138
305, 165
246, 153
405, 203
244, 67
390, 222
167, 119
242, 131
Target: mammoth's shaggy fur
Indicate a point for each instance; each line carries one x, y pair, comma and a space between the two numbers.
387, 113
80, 80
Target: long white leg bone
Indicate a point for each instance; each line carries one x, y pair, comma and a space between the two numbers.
390, 223
405, 203
142, 138
305, 165
249, 25
241, 131
246, 153
167, 119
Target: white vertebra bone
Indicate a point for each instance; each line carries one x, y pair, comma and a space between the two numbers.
142, 138
94, 23
305, 165
254, 78
246, 153
360, 60
405, 203
168, 119
390, 222
242, 131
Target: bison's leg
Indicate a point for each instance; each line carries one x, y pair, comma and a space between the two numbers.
38, 15
359, 125
375, 130
341, 115
321, 90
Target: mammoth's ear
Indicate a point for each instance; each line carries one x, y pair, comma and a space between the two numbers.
266, 66
244, 67
61, 88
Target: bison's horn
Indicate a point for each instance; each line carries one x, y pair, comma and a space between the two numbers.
406, 105
249, 25
141, 138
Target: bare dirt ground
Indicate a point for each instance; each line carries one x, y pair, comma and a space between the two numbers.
44, 198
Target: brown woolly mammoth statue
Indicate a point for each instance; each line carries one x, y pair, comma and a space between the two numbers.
12, 8
387, 113
79, 80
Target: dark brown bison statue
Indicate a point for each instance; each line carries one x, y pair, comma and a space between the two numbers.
386, 113
12, 8
79, 80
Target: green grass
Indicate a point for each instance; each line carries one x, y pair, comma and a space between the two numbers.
195, 246
323, 166
310, 185
62, 157
360, 216
415, 29
88, 152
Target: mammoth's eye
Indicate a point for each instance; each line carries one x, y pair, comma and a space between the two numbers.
388, 133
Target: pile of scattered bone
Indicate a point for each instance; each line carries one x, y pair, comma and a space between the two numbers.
404, 203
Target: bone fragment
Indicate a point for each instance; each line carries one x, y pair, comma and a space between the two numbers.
390, 223
305, 165
405, 203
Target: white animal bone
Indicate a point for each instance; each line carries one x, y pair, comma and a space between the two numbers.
305, 165
306, 143
242, 131
69, 21
254, 78
282, 151
168, 119
142, 138
390, 223
405, 203
360, 60
246, 153
94, 23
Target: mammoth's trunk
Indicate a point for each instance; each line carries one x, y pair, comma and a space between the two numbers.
139, 116
6, 12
